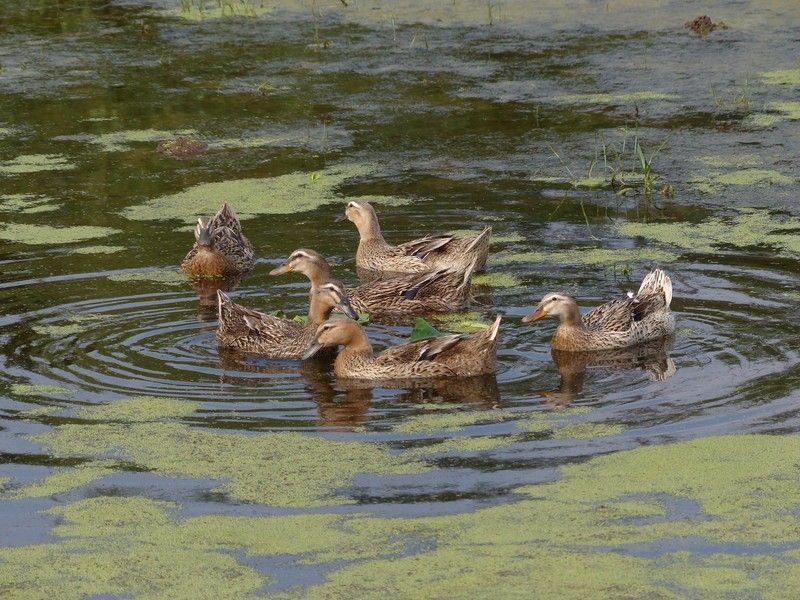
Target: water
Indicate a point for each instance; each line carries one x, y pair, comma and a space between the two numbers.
530, 124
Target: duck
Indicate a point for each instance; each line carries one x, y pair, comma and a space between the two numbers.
440, 290
621, 323
417, 256
249, 330
220, 248
446, 356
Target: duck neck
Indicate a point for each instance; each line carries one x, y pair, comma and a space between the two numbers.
571, 319
356, 351
318, 275
318, 311
370, 232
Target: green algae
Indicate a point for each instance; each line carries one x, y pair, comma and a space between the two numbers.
569, 538
45, 234
161, 276
790, 109
284, 194
614, 98
499, 280
449, 421
762, 120
464, 322
462, 445
789, 77
591, 183
99, 249
587, 256
36, 389
34, 163
202, 10
280, 469
27, 204
139, 409
748, 228
59, 330
585, 431
121, 141
74, 326
715, 182
66, 480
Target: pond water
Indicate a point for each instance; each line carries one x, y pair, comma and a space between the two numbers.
598, 139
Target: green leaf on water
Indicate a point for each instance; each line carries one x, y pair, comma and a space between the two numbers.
423, 330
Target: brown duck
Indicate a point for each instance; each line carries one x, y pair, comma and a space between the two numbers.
446, 356
249, 330
220, 248
620, 323
442, 290
416, 256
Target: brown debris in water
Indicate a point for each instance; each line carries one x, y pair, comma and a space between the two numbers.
183, 147
703, 25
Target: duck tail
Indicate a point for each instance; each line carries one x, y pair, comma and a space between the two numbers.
657, 281
223, 302
482, 237
495, 328
226, 217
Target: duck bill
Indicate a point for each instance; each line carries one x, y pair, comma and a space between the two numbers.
340, 218
281, 270
312, 349
204, 237
535, 315
347, 309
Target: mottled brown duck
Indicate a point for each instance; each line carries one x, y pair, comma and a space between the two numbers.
620, 323
430, 252
446, 356
220, 248
442, 290
252, 331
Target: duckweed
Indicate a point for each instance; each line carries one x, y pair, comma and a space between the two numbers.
162, 276
37, 389
65, 480
284, 194
574, 537
466, 322
45, 234
99, 249
790, 77
715, 182
34, 163
614, 98
749, 227
448, 421
26, 204
121, 141
279, 469
500, 280
507, 238
140, 409
585, 431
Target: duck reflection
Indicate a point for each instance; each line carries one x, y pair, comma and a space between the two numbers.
652, 358
206, 289
344, 404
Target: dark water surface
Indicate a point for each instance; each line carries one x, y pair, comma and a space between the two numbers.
138, 460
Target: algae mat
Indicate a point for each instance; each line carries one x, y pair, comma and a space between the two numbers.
718, 516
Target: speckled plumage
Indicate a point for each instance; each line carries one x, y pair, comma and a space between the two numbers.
250, 330
220, 247
447, 356
416, 256
443, 290
616, 324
